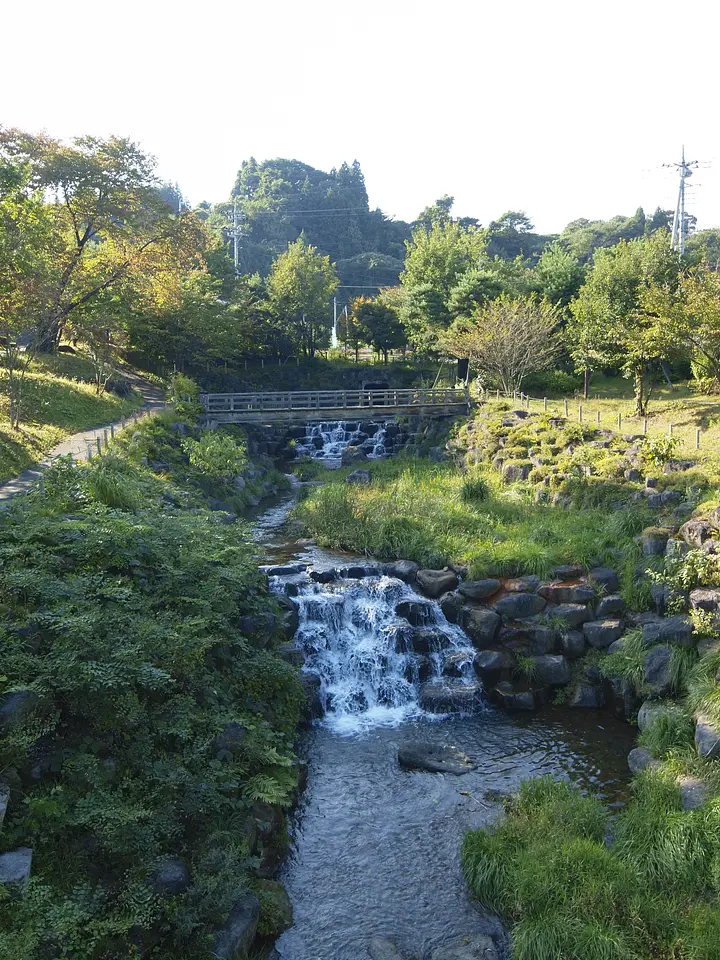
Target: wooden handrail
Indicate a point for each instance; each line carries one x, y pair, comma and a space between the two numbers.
281, 401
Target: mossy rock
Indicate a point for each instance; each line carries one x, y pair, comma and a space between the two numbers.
276, 912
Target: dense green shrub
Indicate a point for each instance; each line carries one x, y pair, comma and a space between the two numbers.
134, 632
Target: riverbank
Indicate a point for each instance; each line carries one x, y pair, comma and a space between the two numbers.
147, 719
520, 496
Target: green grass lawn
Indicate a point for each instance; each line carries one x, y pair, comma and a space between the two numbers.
682, 407
59, 400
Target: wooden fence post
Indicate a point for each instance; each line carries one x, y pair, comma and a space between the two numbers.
619, 421
670, 430
566, 408
598, 418
644, 426
99, 445
579, 413
697, 438
544, 403
112, 431
89, 451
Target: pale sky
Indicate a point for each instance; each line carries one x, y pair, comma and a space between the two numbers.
561, 108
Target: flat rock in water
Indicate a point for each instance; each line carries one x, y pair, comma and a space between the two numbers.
381, 949
477, 947
434, 757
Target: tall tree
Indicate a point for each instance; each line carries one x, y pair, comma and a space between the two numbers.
615, 316
300, 285
558, 275
378, 323
27, 247
506, 339
110, 215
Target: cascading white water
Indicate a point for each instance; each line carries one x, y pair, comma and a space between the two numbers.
326, 441
375, 644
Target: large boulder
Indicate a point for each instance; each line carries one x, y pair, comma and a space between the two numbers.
359, 476
15, 707
492, 664
605, 578
313, 708
238, 933
481, 625
15, 866
571, 615
656, 669
526, 584
677, 630
572, 571
705, 598
479, 589
434, 583
609, 606
450, 696
696, 532
511, 698
651, 710
573, 644
289, 617
601, 633
707, 738
434, 757
694, 792
567, 593
402, 569
416, 612
451, 604
551, 670
519, 606
170, 877
584, 695
640, 759
653, 540
426, 640
514, 471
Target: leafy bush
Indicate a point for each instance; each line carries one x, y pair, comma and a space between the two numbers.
474, 490
216, 454
153, 716
657, 450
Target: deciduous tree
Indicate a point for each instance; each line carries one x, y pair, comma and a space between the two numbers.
506, 339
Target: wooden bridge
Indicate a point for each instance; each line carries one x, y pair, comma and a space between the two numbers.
304, 406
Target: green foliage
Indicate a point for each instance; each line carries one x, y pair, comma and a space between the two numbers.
657, 450
216, 454
474, 490
545, 867
140, 630
671, 730
417, 510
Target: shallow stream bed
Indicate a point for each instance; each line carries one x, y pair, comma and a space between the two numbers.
375, 848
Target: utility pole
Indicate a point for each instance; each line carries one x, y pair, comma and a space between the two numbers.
679, 230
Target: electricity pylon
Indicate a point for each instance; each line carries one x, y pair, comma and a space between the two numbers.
679, 230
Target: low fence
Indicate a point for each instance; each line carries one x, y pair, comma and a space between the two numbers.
580, 411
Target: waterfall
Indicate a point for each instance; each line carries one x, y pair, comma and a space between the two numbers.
326, 441
382, 652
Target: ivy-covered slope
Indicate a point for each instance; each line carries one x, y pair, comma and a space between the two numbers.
144, 714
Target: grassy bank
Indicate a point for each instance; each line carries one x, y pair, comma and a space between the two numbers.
59, 399
436, 514
145, 715
567, 893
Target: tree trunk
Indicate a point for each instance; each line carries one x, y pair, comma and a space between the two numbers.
640, 398
586, 384
666, 373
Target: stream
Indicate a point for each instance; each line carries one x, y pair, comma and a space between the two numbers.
375, 847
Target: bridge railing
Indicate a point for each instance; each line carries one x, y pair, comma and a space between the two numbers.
285, 401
